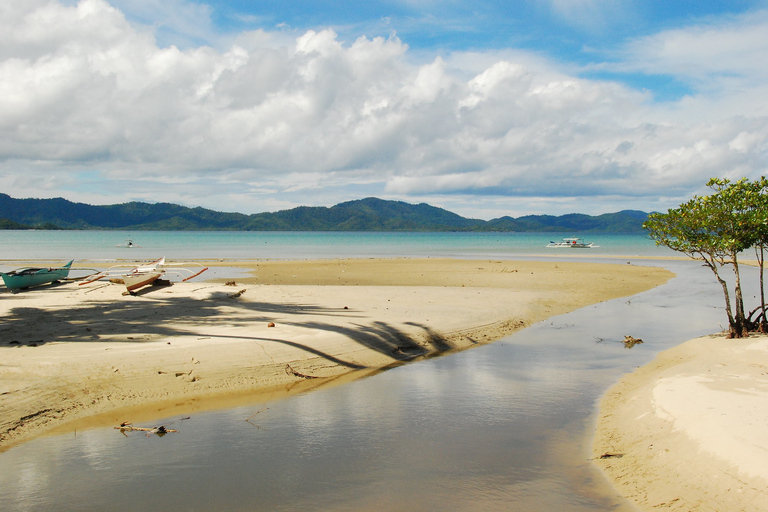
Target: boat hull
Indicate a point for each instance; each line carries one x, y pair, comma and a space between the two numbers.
139, 280
29, 277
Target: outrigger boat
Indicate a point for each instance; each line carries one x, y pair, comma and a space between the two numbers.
135, 277
27, 277
144, 275
573, 243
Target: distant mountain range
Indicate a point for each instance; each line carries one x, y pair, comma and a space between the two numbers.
369, 214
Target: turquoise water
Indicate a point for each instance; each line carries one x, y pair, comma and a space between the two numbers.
186, 245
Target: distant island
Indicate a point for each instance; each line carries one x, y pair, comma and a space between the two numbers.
370, 214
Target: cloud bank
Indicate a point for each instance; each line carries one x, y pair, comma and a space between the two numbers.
92, 108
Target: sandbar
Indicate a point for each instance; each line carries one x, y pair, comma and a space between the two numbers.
74, 356
689, 431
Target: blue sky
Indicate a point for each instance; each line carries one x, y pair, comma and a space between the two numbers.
579, 32
486, 108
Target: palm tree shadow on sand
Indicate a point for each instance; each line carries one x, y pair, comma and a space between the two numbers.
154, 318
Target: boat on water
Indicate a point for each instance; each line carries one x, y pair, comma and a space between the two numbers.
572, 243
139, 276
27, 277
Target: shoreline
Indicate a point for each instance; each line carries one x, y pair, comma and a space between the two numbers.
87, 355
689, 431
251, 262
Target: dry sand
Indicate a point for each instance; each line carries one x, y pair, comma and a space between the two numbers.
689, 432
75, 355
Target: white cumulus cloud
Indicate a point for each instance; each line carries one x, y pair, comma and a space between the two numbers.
94, 108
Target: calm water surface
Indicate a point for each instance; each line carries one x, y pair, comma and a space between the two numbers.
500, 427
185, 245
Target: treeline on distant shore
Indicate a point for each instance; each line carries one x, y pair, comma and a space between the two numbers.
369, 214
9, 224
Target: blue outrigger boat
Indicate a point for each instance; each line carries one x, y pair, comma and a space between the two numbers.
26, 277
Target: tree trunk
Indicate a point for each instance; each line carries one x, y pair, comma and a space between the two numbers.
760, 252
734, 329
741, 322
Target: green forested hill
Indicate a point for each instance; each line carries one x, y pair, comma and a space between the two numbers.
369, 214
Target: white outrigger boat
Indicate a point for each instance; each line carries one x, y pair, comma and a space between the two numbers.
135, 277
573, 243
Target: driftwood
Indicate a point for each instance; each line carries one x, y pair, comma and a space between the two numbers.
257, 412
290, 371
127, 427
629, 341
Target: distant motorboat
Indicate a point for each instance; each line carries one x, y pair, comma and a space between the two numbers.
128, 244
572, 243
27, 277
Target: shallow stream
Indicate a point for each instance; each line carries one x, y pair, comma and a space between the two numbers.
506, 426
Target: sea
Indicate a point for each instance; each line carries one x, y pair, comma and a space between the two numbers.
502, 427
18, 246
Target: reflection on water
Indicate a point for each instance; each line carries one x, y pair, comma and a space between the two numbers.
499, 427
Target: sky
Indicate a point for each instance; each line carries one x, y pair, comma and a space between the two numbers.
485, 108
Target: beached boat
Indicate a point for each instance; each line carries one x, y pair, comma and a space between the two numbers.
135, 277
27, 277
572, 243
143, 275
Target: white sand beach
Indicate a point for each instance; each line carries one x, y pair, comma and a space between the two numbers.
689, 431
74, 356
